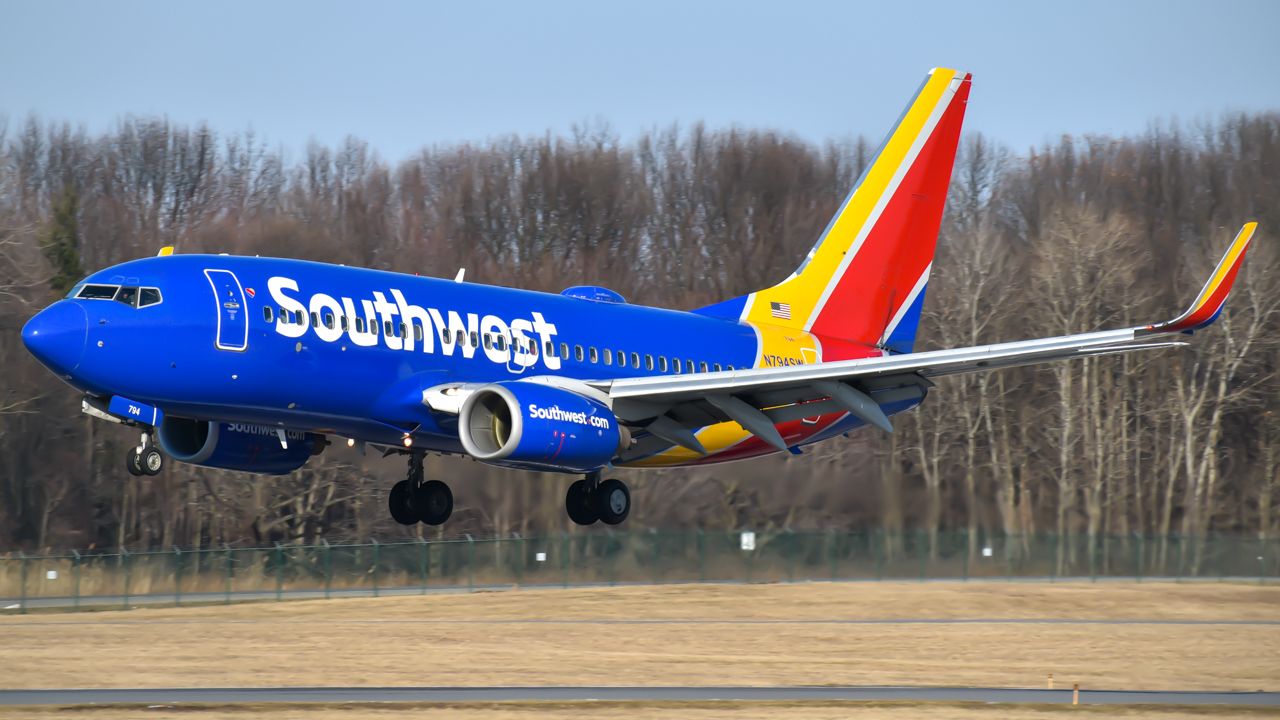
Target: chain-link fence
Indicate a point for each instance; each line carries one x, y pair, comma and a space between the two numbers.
212, 575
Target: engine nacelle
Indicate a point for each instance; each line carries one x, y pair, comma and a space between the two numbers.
236, 446
532, 425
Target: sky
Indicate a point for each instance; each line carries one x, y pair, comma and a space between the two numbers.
404, 75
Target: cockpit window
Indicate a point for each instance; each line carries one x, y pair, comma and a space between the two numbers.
98, 292
129, 295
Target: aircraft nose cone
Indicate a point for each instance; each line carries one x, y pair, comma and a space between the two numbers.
57, 336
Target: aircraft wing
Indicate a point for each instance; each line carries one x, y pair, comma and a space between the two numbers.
670, 407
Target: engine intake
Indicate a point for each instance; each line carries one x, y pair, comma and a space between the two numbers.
537, 426
236, 446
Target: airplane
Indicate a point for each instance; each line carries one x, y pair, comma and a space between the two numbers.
255, 364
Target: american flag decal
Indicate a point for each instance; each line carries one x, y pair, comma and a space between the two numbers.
782, 311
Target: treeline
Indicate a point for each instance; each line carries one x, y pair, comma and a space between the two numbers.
1088, 233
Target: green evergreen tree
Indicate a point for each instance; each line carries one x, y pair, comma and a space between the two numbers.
60, 241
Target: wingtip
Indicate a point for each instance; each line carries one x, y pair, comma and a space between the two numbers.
1209, 303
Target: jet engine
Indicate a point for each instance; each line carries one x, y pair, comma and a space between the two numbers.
537, 426
236, 446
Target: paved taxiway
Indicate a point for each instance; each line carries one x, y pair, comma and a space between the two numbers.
165, 696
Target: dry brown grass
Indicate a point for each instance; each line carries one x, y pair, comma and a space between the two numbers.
485, 639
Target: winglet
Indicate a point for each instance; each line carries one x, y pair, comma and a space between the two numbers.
1208, 304
165, 251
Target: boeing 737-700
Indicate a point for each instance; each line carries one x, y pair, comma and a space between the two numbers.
255, 364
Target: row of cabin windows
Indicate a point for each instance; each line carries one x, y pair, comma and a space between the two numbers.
588, 354
622, 358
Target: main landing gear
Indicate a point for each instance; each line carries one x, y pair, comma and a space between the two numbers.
145, 459
592, 499
411, 500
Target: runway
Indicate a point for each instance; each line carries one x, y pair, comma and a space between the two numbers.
169, 696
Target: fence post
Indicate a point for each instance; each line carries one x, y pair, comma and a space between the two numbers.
702, 556
879, 550
922, 552
520, 547
279, 557
613, 556
1262, 558
831, 552
75, 579
128, 570
328, 568
1138, 564
422, 564
471, 563
22, 572
653, 534
376, 556
565, 549
230, 563
177, 576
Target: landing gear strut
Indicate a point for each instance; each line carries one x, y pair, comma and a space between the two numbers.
592, 499
145, 459
411, 500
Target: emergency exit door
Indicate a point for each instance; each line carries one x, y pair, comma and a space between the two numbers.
233, 318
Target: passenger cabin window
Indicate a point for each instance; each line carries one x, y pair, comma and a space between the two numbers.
595, 356
266, 313
564, 351
662, 363
717, 367
475, 339
675, 365
417, 333
608, 356
315, 319
648, 362
360, 325
688, 366
502, 342
329, 322
551, 348
488, 341
635, 360
702, 367
577, 353
342, 320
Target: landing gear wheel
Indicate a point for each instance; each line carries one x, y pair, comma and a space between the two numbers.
577, 502
133, 461
398, 504
151, 461
432, 502
612, 501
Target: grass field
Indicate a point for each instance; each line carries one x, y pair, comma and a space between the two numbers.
691, 635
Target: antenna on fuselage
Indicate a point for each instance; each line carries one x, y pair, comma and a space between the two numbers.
461, 272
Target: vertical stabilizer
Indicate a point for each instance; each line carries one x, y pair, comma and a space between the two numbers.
864, 281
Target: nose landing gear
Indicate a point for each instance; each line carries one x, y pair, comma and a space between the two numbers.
592, 499
145, 459
411, 500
